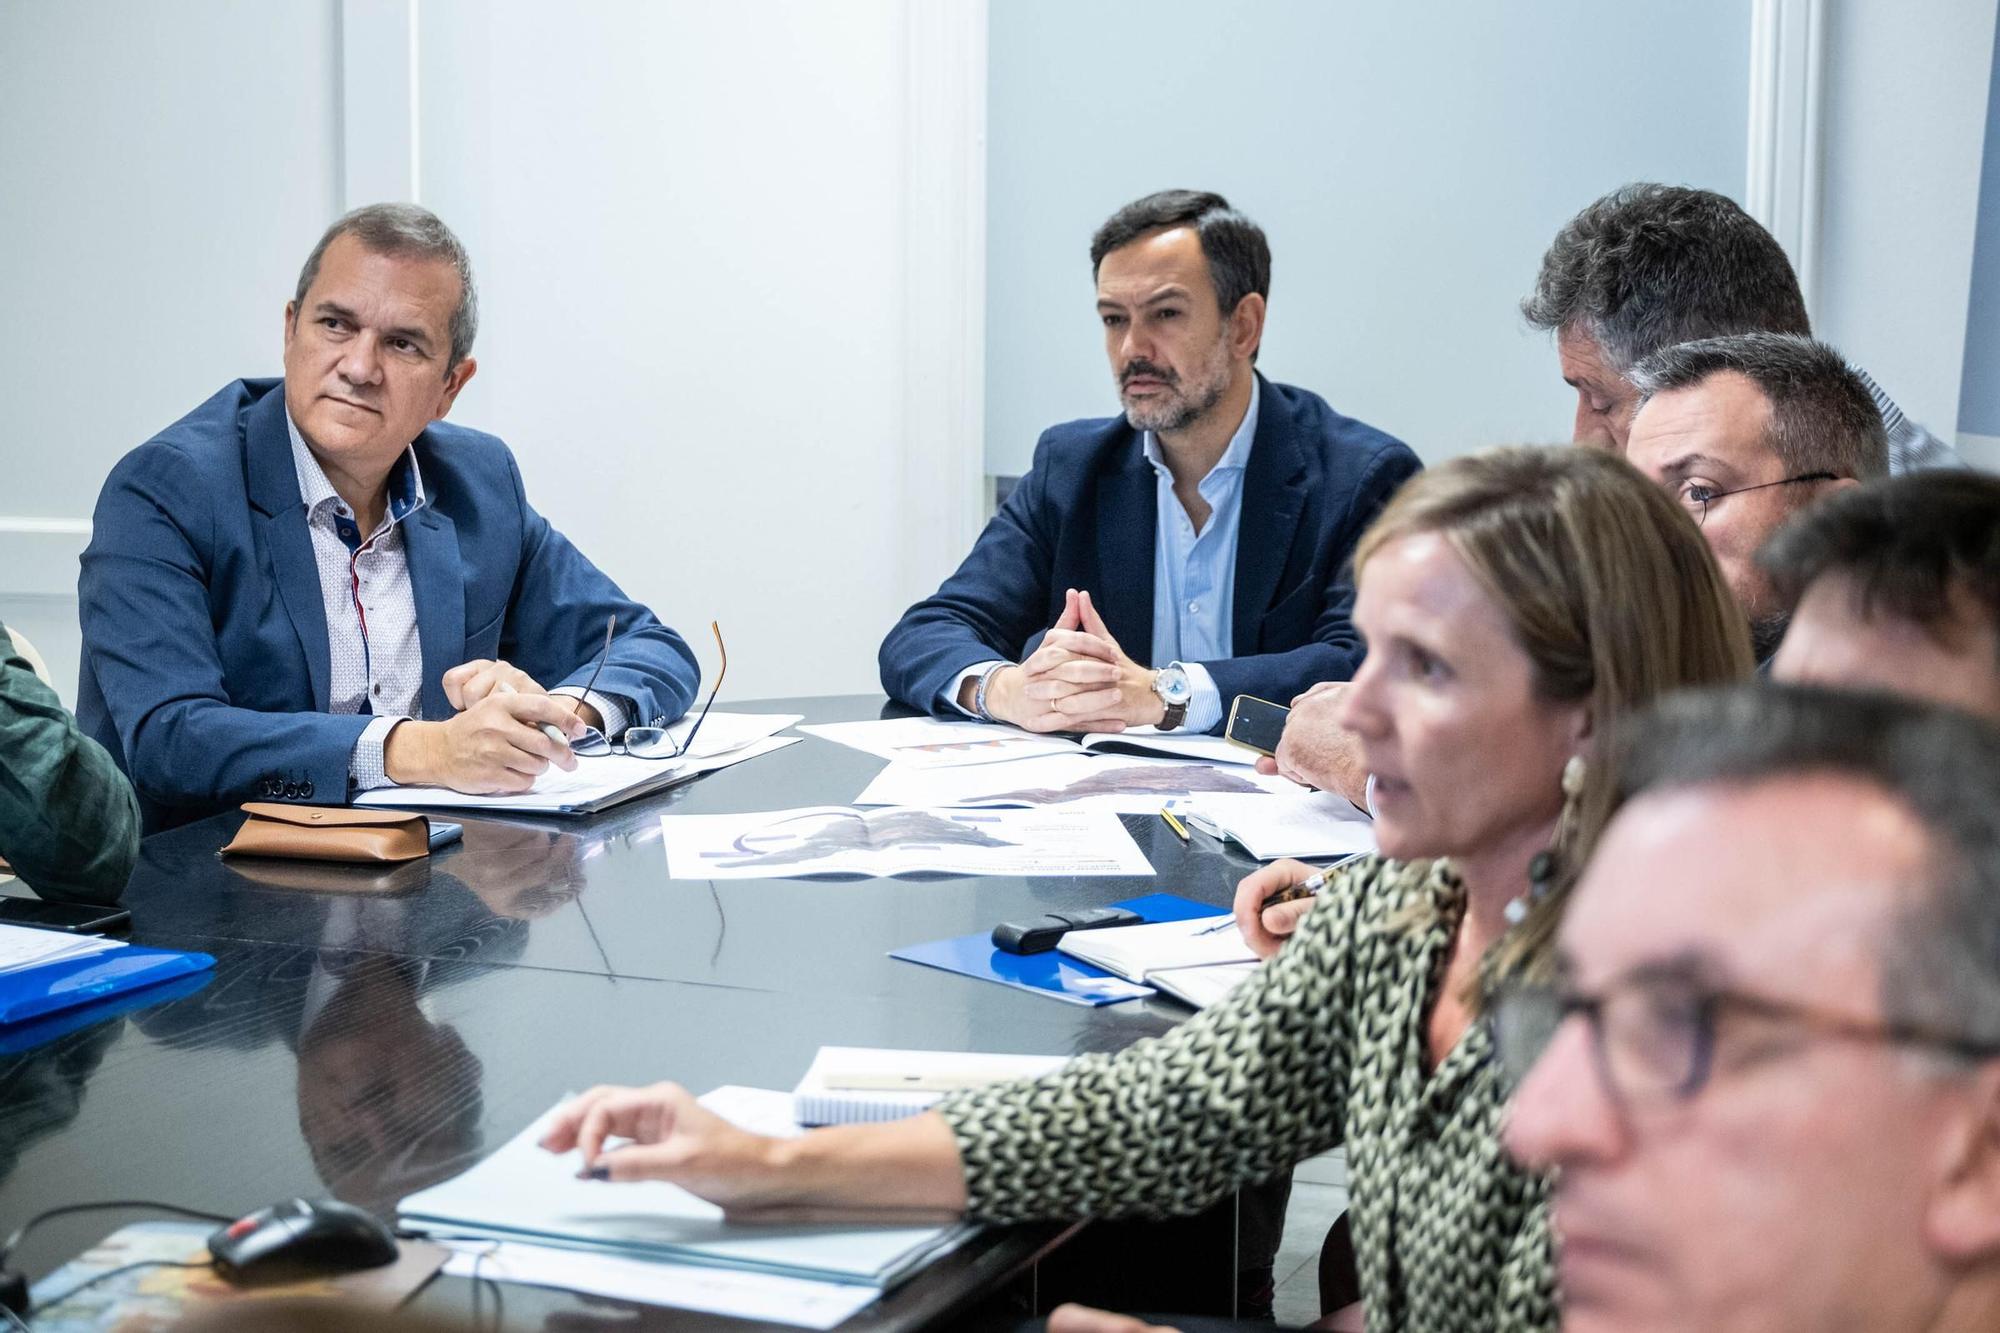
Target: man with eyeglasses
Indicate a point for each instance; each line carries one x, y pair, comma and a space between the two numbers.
1746, 430
1766, 1081
312, 586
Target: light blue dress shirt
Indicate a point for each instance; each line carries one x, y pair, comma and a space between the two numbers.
1194, 573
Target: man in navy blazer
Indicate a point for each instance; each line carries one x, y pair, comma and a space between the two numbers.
311, 586
1207, 530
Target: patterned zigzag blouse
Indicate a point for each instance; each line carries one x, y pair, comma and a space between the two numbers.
1323, 1046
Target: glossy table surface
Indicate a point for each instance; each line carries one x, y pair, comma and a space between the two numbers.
368, 1045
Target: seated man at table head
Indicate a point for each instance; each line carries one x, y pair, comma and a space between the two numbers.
1151, 567
1746, 431
1769, 1070
1895, 586
69, 822
312, 586
1648, 266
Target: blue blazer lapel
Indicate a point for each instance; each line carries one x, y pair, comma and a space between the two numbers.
437, 580
1274, 494
1128, 514
273, 483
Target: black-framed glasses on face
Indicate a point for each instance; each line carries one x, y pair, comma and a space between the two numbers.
1652, 1033
1699, 498
655, 742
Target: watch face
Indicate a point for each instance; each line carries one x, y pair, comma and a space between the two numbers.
1172, 686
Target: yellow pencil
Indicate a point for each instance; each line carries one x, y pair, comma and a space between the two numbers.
1180, 831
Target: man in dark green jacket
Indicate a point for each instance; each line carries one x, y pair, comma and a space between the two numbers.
69, 823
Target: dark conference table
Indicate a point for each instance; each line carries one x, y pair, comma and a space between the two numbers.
368, 1045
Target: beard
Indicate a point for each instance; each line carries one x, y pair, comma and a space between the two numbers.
1183, 404
1766, 633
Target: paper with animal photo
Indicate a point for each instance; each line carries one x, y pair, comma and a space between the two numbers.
1119, 784
929, 742
841, 840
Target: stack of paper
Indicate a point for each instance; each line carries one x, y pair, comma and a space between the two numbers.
602, 781
23, 947
1198, 961
1308, 824
850, 1085
522, 1193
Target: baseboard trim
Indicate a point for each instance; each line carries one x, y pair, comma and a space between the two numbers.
38, 556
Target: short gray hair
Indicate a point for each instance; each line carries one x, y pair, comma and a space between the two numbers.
1651, 265
1941, 957
406, 229
1823, 419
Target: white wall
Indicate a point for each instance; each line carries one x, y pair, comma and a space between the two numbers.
1409, 164
163, 169
1904, 132
712, 240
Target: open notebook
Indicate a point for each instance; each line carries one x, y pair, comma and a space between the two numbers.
850, 1085
522, 1193
1311, 825
1197, 961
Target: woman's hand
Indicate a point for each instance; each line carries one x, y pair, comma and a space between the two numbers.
1265, 928
1085, 1319
673, 1138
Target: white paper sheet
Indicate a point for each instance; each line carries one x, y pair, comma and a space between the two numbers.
522, 1193
800, 1302
1121, 784
24, 947
604, 778
929, 742
1302, 823
841, 840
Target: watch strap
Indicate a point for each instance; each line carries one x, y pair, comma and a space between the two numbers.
1174, 716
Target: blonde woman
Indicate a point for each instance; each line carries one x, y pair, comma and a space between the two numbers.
1518, 605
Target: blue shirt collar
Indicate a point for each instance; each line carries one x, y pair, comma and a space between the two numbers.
1235, 458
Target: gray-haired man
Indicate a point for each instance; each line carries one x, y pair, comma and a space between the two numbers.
1767, 1075
1648, 266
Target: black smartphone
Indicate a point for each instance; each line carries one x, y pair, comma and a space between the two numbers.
1256, 723
76, 918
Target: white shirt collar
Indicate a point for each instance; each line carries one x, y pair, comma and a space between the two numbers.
315, 490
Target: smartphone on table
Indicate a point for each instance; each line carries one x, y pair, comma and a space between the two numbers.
76, 918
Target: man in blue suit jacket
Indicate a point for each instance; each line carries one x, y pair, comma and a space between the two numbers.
311, 586
1208, 529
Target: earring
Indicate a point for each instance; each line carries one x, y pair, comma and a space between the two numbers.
1542, 869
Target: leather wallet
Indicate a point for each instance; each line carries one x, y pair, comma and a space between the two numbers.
330, 833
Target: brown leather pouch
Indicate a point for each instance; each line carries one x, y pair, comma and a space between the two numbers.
330, 833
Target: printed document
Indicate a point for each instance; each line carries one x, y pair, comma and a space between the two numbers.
1120, 784
929, 742
841, 840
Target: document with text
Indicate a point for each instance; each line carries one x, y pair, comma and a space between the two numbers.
841, 840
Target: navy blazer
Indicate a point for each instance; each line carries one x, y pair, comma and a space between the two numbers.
1085, 517
206, 670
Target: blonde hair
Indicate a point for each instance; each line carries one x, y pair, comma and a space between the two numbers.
1606, 585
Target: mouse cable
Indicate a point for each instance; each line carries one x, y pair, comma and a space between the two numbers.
14, 1286
89, 1282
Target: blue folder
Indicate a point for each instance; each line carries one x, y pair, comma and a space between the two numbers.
1053, 974
35, 991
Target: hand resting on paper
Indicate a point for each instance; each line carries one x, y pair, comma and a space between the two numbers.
495, 745
907, 1165
1265, 928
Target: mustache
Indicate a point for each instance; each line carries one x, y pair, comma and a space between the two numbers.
1133, 370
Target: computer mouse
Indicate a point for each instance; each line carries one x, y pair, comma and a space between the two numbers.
302, 1236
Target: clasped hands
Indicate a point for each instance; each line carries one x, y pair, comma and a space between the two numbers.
495, 743
1078, 679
